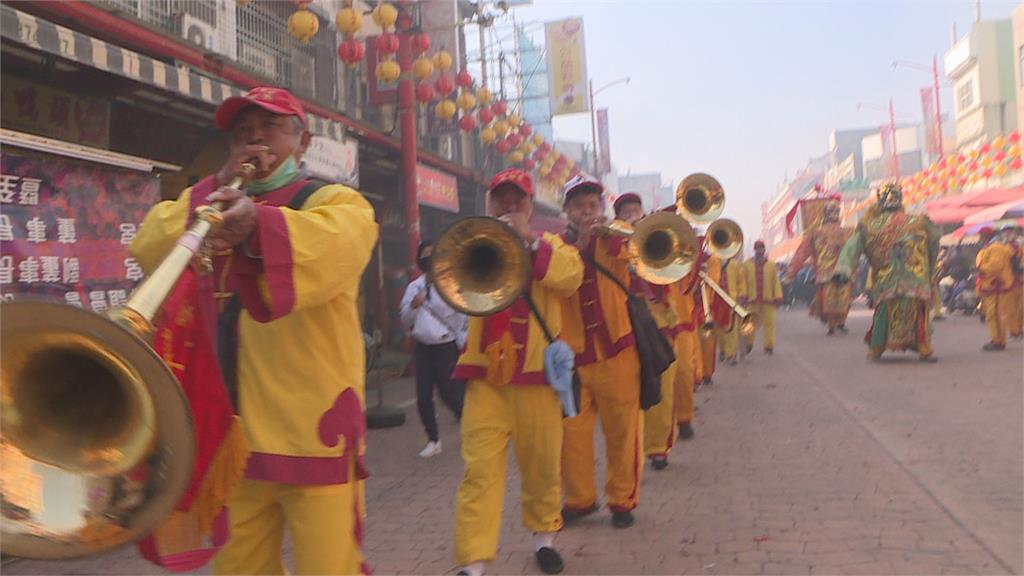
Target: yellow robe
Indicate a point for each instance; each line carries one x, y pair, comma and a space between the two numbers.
996, 286
764, 293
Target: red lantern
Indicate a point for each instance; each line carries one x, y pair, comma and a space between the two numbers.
1014, 137
515, 140
500, 108
1000, 156
485, 115
961, 182
973, 166
545, 147
539, 154
986, 147
502, 146
464, 79
529, 164
525, 130
387, 43
444, 85
942, 163
351, 51
467, 123
420, 43
987, 173
1017, 163
424, 92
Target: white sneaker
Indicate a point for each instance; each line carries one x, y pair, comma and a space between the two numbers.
431, 449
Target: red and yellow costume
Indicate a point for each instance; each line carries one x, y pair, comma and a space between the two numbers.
508, 399
735, 285
688, 348
597, 327
764, 293
299, 372
996, 287
822, 244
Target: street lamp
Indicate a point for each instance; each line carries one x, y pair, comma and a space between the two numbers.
593, 115
935, 88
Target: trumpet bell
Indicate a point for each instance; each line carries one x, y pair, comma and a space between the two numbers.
662, 248
700, 198
479, 266
97, 442
724, 238
748, 324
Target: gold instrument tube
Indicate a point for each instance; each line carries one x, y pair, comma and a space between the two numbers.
746, 316
148, 297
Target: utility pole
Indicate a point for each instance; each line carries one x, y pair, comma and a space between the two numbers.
938, 106
407, 125
593, 128
894, 162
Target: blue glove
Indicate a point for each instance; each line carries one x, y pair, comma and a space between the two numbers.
559, 360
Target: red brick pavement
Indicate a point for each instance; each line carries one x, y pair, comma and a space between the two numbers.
782, 478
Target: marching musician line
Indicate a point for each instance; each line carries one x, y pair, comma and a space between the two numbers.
253, 275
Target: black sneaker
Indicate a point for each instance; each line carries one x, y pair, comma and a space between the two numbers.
659, 462
685, 430
992, 346
622, 519
843, 329
831, 330
549, 560
573, 514
732, 361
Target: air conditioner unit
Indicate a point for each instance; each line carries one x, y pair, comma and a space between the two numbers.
261, 61
198, 32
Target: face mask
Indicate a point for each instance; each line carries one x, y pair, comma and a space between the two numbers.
424, 263
284, 174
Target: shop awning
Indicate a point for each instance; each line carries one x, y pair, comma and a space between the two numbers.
1011, 209
22, 28
996, 196
968, 233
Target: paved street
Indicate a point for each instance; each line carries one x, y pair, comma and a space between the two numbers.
813, 461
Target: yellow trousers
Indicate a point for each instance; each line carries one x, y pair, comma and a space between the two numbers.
999, 310
687, 344
1016, 326
531, 417
324, 522
611, 390
660, 420
708, 348
729, 339
766, 321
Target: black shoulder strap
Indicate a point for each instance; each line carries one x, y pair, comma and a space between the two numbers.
606, 272
304, 193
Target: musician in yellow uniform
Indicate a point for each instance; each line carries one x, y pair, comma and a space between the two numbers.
597, 327
709, 344
1013, 239
764, 293
287, 280
508, 397
995, 285
659, 420
735, 285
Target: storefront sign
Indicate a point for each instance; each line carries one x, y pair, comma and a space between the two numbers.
437, 189
41, 110
567, 67
336, 162
65, 228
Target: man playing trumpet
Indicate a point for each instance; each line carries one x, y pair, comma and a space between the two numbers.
598, 328
508, 397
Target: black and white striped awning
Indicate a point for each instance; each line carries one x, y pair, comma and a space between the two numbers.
40, 34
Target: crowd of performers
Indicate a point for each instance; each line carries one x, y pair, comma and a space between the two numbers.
284, 270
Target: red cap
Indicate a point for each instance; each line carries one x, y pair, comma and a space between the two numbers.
986, 231
515, 177
276, 100
759, 243
579, 183
627, 197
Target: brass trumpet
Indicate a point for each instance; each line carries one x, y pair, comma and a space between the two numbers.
479, 266
98, 444
662, 246
724, 238
700, 198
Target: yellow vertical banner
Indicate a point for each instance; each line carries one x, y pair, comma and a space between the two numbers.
567, 67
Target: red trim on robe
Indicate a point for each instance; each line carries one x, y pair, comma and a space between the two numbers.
319, 470
542, 260
275, 266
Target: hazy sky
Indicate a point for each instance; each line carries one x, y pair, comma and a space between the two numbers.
748, 91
